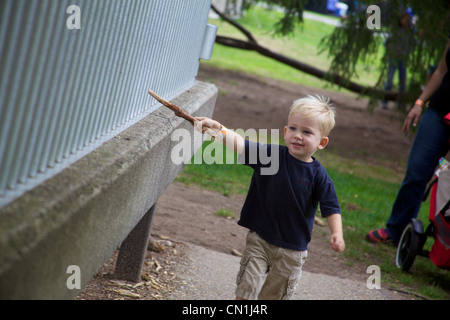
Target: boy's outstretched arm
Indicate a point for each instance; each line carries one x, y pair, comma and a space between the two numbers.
230, 138
337, 236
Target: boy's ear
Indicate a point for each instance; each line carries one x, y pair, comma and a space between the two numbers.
323, 143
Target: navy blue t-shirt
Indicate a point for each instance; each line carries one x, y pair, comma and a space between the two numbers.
281, 206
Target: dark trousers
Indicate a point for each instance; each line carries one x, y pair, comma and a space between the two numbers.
430, 144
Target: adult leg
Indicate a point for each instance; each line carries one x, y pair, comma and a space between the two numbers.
388, 83
430, 144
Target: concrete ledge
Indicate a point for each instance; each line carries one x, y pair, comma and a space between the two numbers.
82, 215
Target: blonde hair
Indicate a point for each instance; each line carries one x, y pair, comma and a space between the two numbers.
317, 107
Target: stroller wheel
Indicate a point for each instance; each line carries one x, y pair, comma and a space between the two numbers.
408, 248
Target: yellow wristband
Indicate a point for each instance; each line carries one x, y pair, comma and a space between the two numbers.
419, 103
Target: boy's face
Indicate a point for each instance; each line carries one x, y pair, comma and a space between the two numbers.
303, 137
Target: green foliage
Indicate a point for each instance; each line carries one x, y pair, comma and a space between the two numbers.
301, 45
349, 46
293, 14
354, 41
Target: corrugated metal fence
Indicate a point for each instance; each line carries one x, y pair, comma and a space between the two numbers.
64, 91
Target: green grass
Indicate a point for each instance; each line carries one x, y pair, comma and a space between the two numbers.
367, 202
224, 178
302, 46
227, 179
225, 213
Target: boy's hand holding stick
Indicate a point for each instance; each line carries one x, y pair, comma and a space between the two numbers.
179, 112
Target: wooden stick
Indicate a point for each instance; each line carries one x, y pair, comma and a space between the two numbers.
179, 112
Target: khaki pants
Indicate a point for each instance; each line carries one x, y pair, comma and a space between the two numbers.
268, 272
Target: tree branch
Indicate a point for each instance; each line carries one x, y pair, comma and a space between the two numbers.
252, 45
330, 77
179, 112
235, 24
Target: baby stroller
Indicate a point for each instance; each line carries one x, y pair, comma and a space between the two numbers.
414, 237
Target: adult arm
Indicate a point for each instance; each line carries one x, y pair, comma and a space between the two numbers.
434, 83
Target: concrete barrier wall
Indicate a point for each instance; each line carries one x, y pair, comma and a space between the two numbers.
80, 216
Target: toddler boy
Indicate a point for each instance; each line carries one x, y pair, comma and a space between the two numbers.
279, 209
